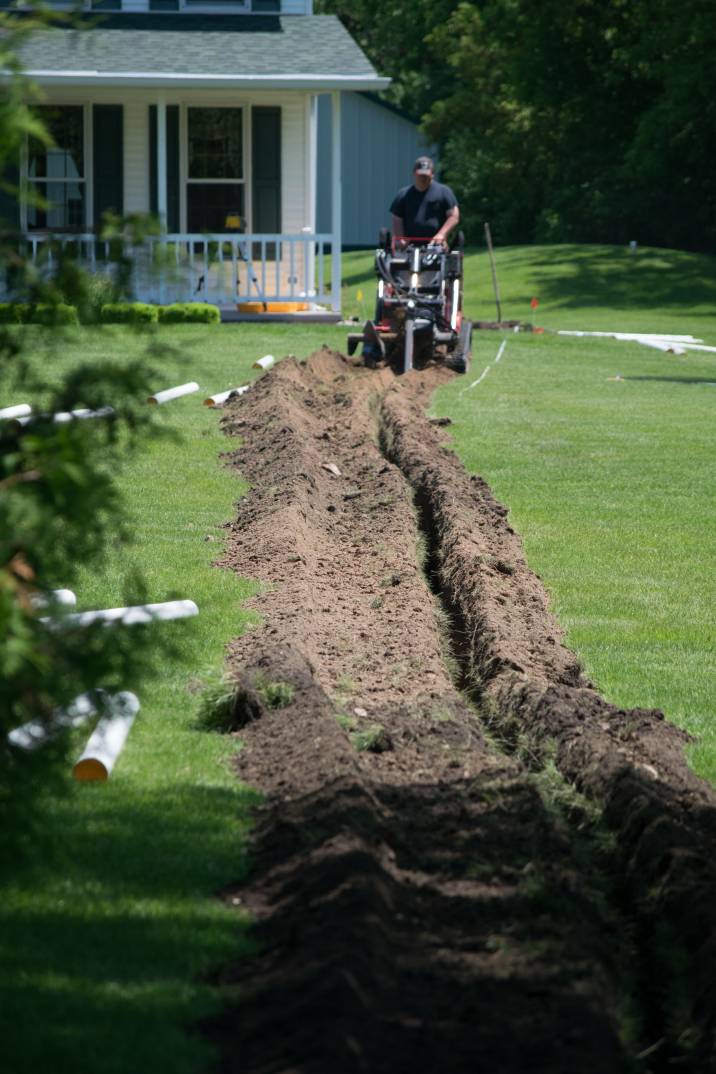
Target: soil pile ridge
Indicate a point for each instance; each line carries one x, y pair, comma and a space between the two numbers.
424, 901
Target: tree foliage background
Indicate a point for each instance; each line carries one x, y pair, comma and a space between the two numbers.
60, 505
560, 120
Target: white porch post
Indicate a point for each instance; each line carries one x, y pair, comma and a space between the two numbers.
311, 168
162, 162
162, 185
336, 200
312, 162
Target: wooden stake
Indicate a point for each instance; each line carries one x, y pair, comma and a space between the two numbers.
488, 237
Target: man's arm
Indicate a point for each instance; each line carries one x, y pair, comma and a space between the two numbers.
398, 226
451, 221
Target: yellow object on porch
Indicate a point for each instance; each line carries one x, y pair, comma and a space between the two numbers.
272, 307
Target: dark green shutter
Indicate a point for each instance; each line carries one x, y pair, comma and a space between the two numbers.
9, 200
172, 164
107, 160
266, 170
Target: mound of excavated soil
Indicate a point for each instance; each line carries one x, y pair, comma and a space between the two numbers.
434, 888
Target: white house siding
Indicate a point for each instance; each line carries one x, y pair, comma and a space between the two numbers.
294, 138
378, 150
136, 148
294, 147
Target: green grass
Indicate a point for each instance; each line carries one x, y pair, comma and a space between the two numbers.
612, 484
108, 937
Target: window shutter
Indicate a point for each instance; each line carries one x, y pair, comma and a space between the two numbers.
107, 160
9, 201
266, 170
172, 164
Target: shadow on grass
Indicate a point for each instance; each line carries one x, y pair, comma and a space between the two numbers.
107, 960
582, 276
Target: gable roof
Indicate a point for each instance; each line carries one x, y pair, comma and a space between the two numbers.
311, 52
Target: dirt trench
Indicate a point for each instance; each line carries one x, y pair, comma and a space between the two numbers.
465, 859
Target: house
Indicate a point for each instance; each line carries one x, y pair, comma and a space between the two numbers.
378, 146
205, 113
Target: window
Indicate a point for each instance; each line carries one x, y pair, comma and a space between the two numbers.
66, 5
56, 173
214, 6
215, 173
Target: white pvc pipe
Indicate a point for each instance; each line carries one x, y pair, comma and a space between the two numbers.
82, 414
699, 347
62, 417
173, 393
221, 397
264, 363
20, 410
455, 303
37, 732
107, 740
65, 597
632, 335
138, 613
662, 345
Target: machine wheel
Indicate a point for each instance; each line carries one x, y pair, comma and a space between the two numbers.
459, 359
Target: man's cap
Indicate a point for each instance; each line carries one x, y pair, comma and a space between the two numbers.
423, 166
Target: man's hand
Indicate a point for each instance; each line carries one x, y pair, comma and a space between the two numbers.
453, 219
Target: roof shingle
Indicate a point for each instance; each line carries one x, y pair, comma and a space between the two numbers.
192, 46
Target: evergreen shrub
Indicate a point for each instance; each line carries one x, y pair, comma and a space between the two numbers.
189, 313
128, 313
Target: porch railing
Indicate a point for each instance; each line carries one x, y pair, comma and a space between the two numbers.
224, 269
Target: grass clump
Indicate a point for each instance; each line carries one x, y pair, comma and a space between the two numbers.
274, 693
373, 739
217, 705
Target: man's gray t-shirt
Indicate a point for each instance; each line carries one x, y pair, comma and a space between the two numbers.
423, 212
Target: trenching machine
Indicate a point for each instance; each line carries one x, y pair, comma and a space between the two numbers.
418, 316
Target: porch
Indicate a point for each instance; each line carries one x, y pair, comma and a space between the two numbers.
225, 269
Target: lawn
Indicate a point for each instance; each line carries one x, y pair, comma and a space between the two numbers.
109, 939
611, 483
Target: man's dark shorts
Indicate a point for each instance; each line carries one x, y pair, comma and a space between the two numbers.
423, 212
